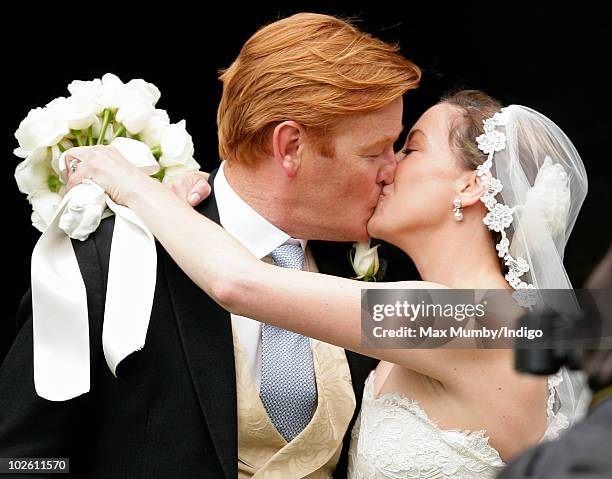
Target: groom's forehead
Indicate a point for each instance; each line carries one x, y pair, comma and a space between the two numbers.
380, 134
377, 126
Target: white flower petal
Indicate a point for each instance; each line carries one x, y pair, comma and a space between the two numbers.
549, 199
112, 92
44, 206
365, 260
176, 146
32, 174
42, 127
135, 115
146, 92
152, 132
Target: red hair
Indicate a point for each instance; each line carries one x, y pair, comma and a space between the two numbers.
310, 68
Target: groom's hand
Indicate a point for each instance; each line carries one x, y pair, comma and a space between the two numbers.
192, 187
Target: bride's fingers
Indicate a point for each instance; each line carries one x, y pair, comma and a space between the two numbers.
73, 157
199, 192
84, 154
116, 154
82, 171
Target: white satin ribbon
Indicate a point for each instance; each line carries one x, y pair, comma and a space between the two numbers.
59, 300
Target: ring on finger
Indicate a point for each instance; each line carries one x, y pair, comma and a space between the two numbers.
73, 165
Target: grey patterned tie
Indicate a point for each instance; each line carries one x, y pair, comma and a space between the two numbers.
288, 388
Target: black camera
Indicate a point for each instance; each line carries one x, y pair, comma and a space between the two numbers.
545, 355
564, 336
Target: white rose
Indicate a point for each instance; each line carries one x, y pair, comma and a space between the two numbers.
549, 197
44, 206
152, 132
57, 105
88, 91
32, 174
42, 127
78, 112
81, 114
137, 153
365, 261
135, 115
112, 93
176, 146
142, 90
170, 173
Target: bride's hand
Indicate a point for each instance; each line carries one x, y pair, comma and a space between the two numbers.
191, 187
104, 165
107, 167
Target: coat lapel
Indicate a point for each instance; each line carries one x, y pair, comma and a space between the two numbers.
206, 334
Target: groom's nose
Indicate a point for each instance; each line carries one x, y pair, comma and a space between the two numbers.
386, 174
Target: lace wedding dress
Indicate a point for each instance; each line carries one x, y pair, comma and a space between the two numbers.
394, 438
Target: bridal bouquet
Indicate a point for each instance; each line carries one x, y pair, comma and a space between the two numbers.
96, 113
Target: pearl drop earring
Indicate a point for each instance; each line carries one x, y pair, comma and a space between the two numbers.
457, 213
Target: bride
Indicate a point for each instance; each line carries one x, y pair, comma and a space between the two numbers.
483, 198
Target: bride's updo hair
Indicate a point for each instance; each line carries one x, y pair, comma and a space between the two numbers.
474, 106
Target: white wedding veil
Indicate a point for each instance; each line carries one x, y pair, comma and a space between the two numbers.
544, 183
537, 184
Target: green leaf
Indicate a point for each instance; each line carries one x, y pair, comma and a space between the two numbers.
159, 175
371, 270
156, 152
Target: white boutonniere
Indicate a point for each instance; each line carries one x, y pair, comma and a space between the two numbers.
364, 260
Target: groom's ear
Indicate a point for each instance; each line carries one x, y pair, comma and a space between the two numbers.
287, 143
471, 188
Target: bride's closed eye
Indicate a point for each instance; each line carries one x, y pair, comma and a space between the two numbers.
406, 151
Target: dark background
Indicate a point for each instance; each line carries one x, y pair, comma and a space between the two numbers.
552, 58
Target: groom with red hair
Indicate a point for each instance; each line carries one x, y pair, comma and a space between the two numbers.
309, 114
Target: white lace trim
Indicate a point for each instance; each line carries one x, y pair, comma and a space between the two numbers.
394, 438
470, 442
556, 421
499, 217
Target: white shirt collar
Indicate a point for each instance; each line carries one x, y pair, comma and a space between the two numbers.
245, 224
